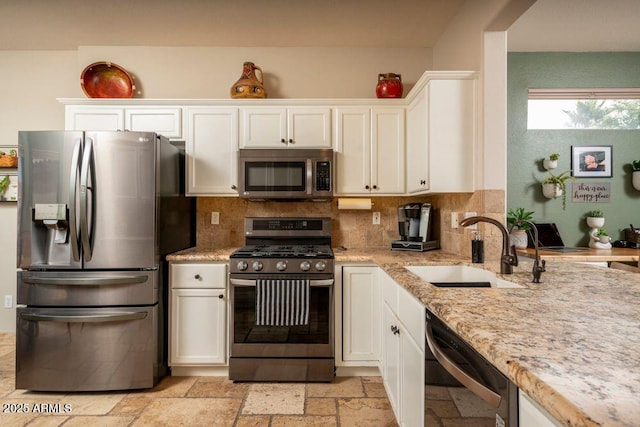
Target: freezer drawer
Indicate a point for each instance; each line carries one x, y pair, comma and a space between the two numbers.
65, 349
88, 288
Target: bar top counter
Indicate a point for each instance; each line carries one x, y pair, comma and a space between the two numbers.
571, 342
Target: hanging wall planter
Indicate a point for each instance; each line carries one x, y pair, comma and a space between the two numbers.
551, 162
554, 186
552, 191
635, 179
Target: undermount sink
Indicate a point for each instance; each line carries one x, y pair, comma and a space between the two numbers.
457, 276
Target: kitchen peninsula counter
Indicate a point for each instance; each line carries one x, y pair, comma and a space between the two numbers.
570, 342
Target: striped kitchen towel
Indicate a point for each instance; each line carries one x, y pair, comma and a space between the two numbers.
282, 302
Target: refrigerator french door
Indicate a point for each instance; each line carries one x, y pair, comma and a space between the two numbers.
97, 212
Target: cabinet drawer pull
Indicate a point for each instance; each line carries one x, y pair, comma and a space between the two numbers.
197, 277
423, 182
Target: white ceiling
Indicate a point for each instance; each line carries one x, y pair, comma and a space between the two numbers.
549, 25
577, 26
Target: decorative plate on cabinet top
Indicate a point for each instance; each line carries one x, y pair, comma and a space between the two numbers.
106, 80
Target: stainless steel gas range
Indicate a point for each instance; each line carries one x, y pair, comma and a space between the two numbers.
282, 318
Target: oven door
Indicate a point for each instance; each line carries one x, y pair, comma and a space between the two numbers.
312, 340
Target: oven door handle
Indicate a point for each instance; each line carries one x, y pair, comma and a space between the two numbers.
252, 282
450, 366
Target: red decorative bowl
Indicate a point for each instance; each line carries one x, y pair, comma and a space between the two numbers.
106, 80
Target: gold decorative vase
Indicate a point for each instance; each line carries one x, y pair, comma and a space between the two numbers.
249, 85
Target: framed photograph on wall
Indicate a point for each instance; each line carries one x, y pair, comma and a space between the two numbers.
8, 187
592, 161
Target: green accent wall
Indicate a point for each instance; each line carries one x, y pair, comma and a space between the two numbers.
527, 148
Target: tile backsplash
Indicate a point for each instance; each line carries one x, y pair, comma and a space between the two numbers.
354, 229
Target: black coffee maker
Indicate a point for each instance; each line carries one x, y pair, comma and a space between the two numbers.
414, 227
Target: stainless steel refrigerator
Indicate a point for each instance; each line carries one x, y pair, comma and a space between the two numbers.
97, 214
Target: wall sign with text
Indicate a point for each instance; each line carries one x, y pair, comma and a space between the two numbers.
591, 192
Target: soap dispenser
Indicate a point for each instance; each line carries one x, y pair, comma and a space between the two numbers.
477, 248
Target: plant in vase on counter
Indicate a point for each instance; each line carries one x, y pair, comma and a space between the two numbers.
595, 218
554, 186
518, 230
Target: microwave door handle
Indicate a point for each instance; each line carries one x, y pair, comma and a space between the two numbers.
450, 366
73, 195
310, 182
87, 201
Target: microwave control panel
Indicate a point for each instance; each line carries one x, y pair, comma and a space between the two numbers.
323, 176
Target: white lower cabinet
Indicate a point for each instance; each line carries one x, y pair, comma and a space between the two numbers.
530, 414
402, 362
198, 314
360, 315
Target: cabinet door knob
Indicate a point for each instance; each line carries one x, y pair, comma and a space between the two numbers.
284, 141
366, 187
423, 182
221, 296
291, 141
375, 187
234, 187
197, 277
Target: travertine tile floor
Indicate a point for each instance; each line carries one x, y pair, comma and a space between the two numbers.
194, 401
216, 401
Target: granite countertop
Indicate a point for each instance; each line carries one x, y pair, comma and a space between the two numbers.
572, 342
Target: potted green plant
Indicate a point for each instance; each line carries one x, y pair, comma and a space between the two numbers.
595, 218
554, 186
635, 175
551, 162
603, 235
517, 230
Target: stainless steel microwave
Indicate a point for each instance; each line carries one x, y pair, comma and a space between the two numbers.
285, 174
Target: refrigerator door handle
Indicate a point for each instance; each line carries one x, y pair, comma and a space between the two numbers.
85, 318
87, 201
73, 187
90, 281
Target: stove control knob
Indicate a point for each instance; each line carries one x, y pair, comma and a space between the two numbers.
281, 266
257, 266
242, 265
305, 265
320, 265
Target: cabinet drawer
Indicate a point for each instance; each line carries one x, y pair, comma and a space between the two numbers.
412, 315
202, 276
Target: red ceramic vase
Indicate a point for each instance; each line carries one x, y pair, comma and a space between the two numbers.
389, 86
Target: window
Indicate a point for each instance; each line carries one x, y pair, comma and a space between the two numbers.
584, 109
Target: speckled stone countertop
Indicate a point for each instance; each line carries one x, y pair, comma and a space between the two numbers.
572, 342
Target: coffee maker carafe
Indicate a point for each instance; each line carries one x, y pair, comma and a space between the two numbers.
414, 227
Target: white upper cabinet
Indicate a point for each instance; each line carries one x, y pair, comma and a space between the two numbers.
441, 136
212, 151
94, 118
278, 127
165, 121
370, 156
